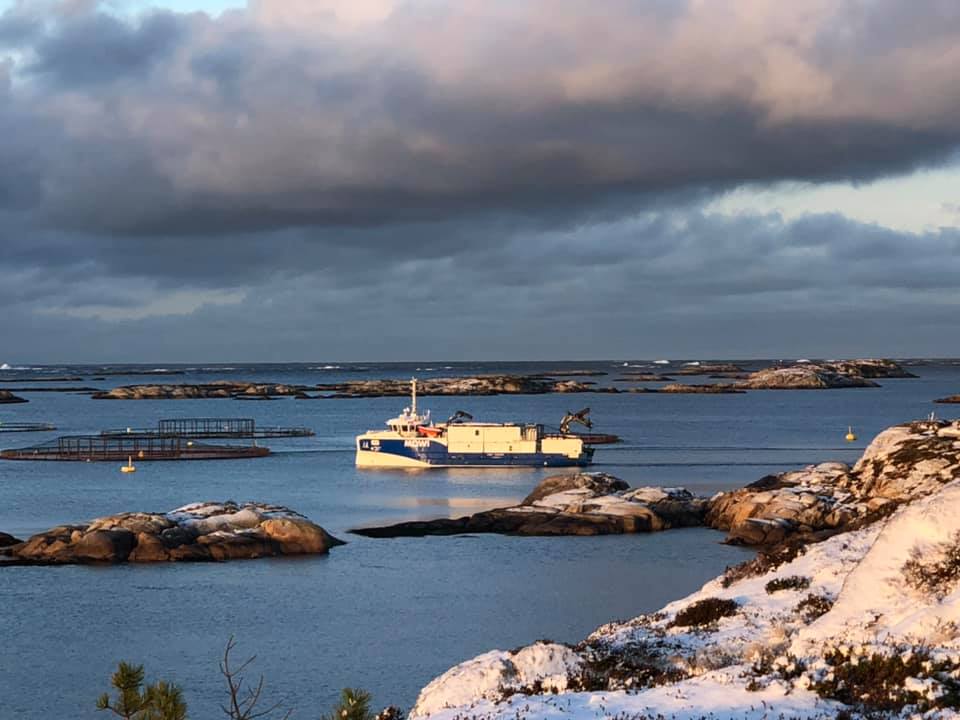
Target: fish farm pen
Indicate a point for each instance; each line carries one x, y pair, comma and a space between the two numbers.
211, 428
26, 427
91, 448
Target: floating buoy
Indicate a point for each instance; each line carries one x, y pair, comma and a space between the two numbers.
129, 467
851, 436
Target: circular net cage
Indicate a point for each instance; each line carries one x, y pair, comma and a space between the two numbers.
92, 448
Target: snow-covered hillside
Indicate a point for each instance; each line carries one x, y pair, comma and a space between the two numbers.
866, 621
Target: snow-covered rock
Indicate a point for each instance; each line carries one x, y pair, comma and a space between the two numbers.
864, 621
903, 463
580, 504
200, 531
541, 667
908, 461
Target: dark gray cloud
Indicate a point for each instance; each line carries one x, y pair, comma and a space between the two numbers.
532, 171
93, 48
676, 282
279, 117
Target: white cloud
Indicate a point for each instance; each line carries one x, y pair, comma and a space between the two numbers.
920, 202
147, 305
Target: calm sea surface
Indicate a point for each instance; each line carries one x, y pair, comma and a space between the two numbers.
386, 615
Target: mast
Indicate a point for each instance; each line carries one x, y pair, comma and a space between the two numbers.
413, 394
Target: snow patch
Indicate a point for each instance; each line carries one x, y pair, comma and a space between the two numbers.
488, 676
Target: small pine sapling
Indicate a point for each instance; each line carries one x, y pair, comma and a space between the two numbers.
159, 701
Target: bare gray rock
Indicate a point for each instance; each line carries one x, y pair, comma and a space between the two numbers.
801, 377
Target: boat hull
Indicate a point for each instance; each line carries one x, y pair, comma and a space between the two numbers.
427, 453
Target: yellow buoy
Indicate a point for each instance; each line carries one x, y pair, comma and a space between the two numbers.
129, 467
851, 436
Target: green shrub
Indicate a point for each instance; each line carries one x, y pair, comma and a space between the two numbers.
876, 683
937, 577
354, 705
164, 701
813, 606
159, 701
794, 582
704, 612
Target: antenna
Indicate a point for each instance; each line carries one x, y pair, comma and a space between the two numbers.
413, 394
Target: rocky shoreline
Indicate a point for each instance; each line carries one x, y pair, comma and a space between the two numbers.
849, 611
581, 504
192, 533
219, 389
810, 376
902, 463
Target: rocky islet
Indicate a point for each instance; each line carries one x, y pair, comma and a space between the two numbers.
193, 533
810, 376
901, 464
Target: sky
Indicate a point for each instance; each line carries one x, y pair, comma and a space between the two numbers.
283, 180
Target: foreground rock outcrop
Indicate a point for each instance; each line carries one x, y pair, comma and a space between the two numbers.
862, 624
197, 532
581, 504
7, 397
903, 463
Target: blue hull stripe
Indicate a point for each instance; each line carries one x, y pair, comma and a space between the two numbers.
435, 453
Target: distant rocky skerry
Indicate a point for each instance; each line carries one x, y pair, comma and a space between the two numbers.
817, 376
223, 389
7, 397
901, 464
192, 533
707, 369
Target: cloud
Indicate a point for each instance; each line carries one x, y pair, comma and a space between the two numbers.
332, 114
94, 48
662, 282
534, 171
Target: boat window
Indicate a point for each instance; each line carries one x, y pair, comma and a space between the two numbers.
476, 432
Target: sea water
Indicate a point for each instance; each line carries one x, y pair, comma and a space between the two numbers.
384, 615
